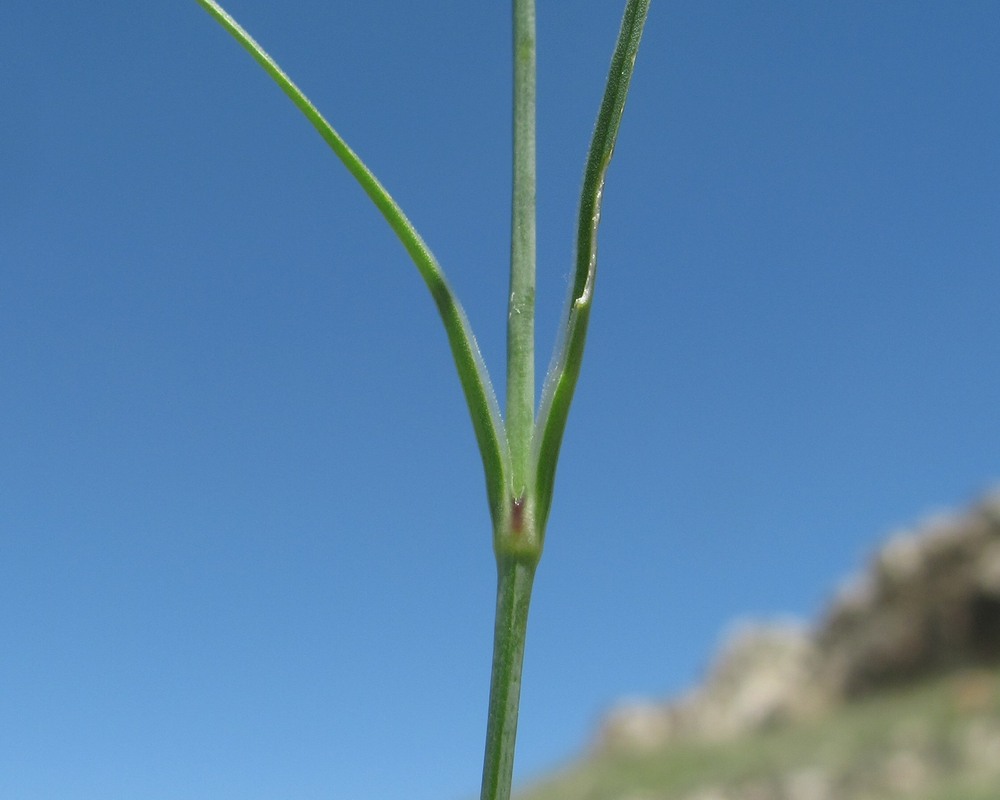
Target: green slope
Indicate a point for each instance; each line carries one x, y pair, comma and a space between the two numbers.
938, 740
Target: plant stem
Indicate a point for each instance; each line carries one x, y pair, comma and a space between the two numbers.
521, 309
514, 580
515, 539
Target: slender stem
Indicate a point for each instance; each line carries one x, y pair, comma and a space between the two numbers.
514, 580
515, 542
521, 310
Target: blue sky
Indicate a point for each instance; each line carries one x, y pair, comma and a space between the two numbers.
244, 546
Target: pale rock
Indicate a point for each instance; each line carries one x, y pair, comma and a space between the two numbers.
906, 771
763, 676
636, 726
981, 746
812, 783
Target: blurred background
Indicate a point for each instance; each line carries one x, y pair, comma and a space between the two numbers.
244, 545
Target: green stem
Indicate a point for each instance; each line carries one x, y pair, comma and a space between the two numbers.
515, 537
521, 309
514, 580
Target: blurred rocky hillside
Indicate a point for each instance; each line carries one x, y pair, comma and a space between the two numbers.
924, 612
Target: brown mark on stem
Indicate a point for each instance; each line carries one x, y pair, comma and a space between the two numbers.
517, 514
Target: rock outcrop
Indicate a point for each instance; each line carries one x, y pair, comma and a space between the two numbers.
928, 602
763, 676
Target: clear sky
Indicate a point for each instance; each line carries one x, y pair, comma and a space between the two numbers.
244, 545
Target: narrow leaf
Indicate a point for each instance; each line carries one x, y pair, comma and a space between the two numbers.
564, 370
479, 395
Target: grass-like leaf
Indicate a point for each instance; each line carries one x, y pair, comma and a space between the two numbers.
564, 370
476, 385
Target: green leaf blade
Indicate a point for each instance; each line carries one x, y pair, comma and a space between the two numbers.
564, 370
473, 375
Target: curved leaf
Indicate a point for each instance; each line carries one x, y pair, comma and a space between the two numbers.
479, 394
